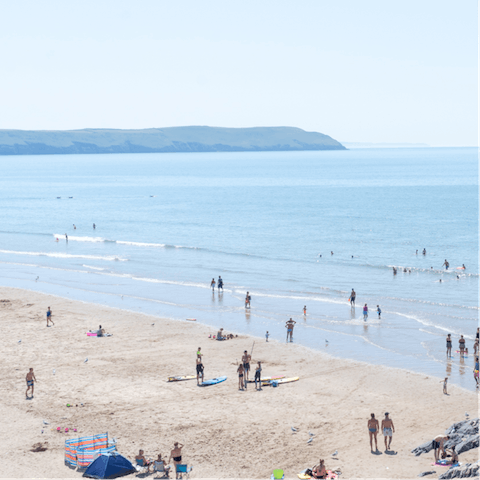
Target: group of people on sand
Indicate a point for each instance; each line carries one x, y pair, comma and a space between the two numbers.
387, 428
159, 464
243, 371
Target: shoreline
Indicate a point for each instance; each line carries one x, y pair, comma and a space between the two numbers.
124, 389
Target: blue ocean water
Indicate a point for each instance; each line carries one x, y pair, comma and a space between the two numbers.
166, 224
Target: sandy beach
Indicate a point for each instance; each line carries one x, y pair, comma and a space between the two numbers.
226, 432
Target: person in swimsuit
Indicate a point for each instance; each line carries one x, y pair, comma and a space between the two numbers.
247, 300
319, 471
289, 326
477, 336
49, 316
30, 378
373, 430
438, 444
379, 312
159, 463
258, 376
461, 345
424, 252
446, 264
212, 284
305, 311
476, 371
352, 298
387, 428
240, 371
475, 347
394, 271
365, 313
454, 456
220, 283
449, 345
445, 385
145, 462
100, 331
176, 455
266, 336
246, 365
199, 369
74, 227
94, 227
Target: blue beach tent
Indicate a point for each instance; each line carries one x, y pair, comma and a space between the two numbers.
111, 465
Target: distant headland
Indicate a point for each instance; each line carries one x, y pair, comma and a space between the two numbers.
171, 139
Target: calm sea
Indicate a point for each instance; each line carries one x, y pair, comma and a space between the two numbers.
267, 222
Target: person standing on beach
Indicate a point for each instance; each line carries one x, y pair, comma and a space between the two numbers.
212, 284
258, 376
246, 364
49, 317
461, 345
176, 455
373, 430
476, 371
387, 428
199, 369
247, 300
240, 372
30, 378
445, 385
449, 345
365, 313
266, 336
220, 283
289, 326
379, 312
352, 298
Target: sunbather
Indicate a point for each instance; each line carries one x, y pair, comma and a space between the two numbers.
319, 471
176, 455
100, 331
159, 463
142, 461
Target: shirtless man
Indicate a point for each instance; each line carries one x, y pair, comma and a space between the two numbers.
199, 369
438, 444
461, 345
289, 326
246, 365
387, 428
446, 264
49, 317
176, 455
30, 378
373, 430
352, 298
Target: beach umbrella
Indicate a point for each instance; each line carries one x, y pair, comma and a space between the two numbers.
110, 465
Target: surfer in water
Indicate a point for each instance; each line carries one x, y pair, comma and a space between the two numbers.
66, 238
424, 252
94, 226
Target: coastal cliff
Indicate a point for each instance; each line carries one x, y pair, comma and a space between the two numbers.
172, 139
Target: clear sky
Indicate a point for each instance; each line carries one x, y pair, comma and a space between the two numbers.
358, 70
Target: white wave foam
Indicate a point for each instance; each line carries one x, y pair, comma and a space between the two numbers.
65, 255
93, 268
141, 244
73, 238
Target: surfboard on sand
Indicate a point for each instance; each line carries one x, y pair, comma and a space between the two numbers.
282, 380
267, 379
180, 378
212, 381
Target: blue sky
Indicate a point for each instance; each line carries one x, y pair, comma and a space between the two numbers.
358, 70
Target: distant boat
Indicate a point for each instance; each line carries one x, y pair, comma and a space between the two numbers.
70, 197
59, 197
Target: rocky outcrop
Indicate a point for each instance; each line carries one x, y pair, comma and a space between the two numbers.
469, 470
423, 474
464, 435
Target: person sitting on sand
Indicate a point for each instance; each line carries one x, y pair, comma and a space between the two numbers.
319, 471
49, 317
220, 335
100, 331
373, 430
176, 455
142, 461
30, 378
438, 445
387, 428
159, 463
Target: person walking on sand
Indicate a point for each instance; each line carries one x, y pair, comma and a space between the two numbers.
352, 298
176, 455
30, 378
246, 364
199, 369
373, 430
212, 284
388, 429
379, 312
365, 313
461, 345
266, 336
240, 372
49, 317
289, 326
449, 345
258, 376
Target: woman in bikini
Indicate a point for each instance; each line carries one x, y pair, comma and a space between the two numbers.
319, 471
240, 371
176, 455
449, 345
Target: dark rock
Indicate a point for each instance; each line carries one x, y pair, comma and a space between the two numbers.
424, 448
467, 444
469, 470
431, 472
467, 427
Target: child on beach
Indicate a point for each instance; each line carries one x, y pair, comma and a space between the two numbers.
379, 312
365, 312
212, 284
305, 310
445, 386
49, 317
266, 336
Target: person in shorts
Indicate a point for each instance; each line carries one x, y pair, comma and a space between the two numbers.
199, 369
373, 430
388, 429
438, 445
246, 365
49, 317
258, 376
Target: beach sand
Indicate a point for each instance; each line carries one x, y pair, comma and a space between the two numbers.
226, 432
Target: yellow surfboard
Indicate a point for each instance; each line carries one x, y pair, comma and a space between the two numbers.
282, 380
180, 378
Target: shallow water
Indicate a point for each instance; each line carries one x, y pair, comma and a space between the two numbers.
168, 223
